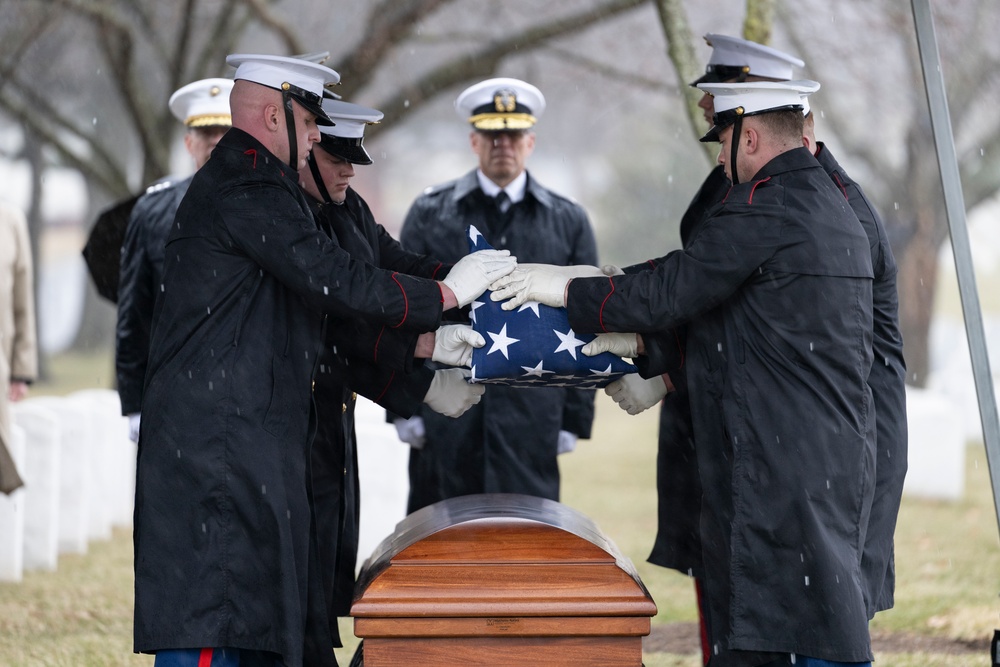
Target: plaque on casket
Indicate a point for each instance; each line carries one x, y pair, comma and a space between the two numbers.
500, 579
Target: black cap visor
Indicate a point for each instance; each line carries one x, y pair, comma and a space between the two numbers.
351, 150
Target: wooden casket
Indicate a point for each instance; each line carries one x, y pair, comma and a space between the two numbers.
500, 579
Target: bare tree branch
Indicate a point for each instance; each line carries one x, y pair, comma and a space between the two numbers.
485, 61
680, 50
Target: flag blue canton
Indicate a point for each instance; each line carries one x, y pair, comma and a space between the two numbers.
534, 345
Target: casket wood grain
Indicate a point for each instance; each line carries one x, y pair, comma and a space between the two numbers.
500, 579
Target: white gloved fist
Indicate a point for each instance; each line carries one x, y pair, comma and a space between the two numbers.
566, 442
544, 283
453, 344
450, 394
133, 426
472, 274
411, 431
622, 344
633, 394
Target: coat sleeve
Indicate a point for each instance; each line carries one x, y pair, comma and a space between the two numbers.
24, 360
578, 409
375, 344
728, 249
268, 224
135, 309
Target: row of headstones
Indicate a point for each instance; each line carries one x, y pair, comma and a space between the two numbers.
78, 465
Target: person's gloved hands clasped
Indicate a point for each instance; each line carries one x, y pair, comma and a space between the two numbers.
453, 344
450, 394
411, 431
634, 394
544, 283
472, 274
622, 344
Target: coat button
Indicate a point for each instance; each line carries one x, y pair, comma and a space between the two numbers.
343, 408
354, 395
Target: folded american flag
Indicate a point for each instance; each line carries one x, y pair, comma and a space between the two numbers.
534, 345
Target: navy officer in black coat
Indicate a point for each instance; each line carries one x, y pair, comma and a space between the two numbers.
776, 292
226, 557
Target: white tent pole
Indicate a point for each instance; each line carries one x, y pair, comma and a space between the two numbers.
944, 143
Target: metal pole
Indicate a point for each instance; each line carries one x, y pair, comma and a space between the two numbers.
944, 143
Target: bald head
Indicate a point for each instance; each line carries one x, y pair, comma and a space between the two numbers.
258, 111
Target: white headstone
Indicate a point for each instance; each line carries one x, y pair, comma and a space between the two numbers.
41, 483
936, 452
75, 472
383, 472
12, 516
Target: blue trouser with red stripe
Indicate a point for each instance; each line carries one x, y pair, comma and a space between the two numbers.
216, 657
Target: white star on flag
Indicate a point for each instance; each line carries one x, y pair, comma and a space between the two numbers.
501, 342
472, 309
537, 371
569, 342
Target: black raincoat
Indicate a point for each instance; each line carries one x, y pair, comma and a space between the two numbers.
776, 289
225, 546
508, 442
375, 361
141, 273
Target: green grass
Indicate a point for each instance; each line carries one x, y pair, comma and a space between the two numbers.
946, 555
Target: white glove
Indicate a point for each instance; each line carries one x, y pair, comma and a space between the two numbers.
453, 344
133, 426
633, 394
544, 283
450, 394
622, 344
566, 442
612, 270
411, 431
472, 274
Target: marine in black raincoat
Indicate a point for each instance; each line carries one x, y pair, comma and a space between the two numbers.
776, 290
225, 547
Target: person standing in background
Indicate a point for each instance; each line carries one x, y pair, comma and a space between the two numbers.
509, 442
203, 107
18, 344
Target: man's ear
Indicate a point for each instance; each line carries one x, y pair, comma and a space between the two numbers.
750, 140
271, 117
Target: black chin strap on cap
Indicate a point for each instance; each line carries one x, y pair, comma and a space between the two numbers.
734, 148
320, 185
293, 149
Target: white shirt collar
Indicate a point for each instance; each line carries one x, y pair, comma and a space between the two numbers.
515, 189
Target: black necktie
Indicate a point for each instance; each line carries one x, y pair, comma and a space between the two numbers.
503, 201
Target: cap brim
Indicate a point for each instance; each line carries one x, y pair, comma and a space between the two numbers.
348, 152
713, 134
314, 109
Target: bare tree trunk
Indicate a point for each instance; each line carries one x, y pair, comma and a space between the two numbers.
757, 25
33, 156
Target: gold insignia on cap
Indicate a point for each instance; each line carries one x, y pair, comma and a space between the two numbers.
285, 85
504, 101
214, 90
739, 111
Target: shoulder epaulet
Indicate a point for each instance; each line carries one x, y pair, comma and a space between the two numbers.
432, 189
162, 184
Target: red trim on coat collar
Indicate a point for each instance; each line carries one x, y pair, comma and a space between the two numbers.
252, 151
754, 188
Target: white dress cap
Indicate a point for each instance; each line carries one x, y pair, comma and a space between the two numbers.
501, 104
733, 55
732, 100
351, 119
303, 79
203, 103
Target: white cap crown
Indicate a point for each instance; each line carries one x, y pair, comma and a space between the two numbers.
501, 104
203, 103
